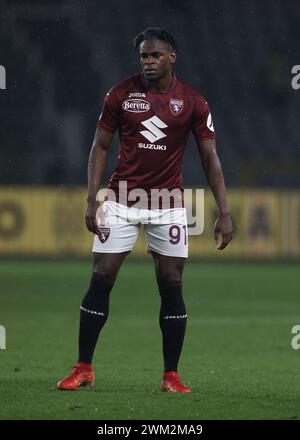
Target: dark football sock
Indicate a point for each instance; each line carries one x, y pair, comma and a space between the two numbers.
172, 320
93, 315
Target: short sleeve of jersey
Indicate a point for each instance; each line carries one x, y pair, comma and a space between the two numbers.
109, 117
202, 125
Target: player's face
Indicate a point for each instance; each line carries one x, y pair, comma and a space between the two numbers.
156, 59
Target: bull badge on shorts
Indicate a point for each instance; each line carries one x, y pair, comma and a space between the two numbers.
104, 234
176, 106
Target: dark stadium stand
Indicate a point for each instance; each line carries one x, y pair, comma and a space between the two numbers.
66, 55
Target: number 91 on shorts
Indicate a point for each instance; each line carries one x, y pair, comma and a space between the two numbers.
120, 229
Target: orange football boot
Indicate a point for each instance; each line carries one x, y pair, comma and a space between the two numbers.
81, 376
173, 384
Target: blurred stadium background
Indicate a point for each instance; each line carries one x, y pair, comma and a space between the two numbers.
61, 57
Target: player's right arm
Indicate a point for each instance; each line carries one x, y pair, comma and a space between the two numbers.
97, 161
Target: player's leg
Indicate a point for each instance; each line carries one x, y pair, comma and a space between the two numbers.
94, 309
173, 316
109, 253
93, 315
110, 249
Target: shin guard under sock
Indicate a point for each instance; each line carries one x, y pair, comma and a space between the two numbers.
172, 320
93, 315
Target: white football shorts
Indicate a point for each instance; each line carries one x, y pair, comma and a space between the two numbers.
165, 229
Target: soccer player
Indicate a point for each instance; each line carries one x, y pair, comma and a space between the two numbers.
154, 112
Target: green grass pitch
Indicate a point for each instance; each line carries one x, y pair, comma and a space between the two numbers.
237, 356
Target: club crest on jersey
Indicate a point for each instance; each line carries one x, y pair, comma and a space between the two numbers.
176, 106
104, 234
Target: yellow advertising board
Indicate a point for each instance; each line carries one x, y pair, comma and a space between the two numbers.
50, 222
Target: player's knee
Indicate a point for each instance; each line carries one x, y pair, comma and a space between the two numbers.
107, 265
104, 274
169, 269
171, 298
169, 276
103, 270
170, 287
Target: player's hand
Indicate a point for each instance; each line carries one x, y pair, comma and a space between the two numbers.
94, 217
223, 231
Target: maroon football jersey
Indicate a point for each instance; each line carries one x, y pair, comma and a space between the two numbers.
153, 130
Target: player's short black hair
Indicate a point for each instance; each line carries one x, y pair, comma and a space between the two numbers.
153, 33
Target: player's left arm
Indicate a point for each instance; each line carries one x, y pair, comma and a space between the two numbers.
223, 229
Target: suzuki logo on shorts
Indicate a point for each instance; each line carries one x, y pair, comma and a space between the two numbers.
153, 133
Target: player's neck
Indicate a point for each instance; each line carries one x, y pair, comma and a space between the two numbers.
162, 85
